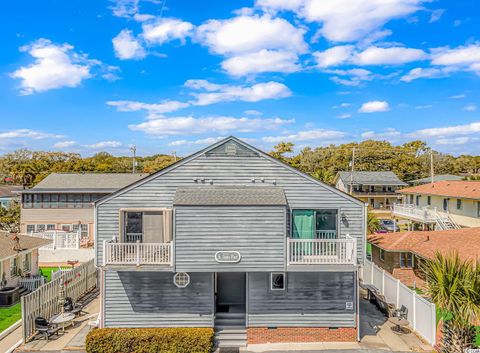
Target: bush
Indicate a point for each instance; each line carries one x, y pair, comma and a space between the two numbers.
150, 340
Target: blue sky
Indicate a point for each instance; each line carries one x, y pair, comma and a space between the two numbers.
170, 75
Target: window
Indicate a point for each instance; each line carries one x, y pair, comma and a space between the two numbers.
30, 228
411, 199
37, 201
478, 208
71, 201
406, 259
51, 226
382, 255
62, 201
27, 262
67, 227
84, 229
54, 201
417, 200
27, 201
314, 224
459, 204
429, 200
445, 204
181, 279
14, 267
277, 281
46, 201
40, 228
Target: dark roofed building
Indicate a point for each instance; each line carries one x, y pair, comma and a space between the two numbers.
378, 189
8, 193
440, 177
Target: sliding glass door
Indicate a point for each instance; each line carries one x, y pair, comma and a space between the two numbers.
315, 224
146, 227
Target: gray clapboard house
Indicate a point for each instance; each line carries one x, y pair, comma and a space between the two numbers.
234, 239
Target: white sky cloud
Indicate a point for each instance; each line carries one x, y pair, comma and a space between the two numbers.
65, 144
167, 126
124, 8
346, 20
29, 134
203, 141
261, 61
126, 46
429, 72
165, 106
463, 55
344, 116
470, 108
227, 93
334, 56
472, 128
55, 66
324, 136
166, 29
374, 107
248, 34
388, 134
104, 144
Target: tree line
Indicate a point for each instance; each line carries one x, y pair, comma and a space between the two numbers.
409, 161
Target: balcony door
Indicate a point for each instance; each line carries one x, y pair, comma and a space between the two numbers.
144, 226
315, 224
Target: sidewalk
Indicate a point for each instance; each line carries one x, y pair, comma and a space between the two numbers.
7, 342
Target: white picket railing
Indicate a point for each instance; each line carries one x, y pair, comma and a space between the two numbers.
424, 214
137, 253
60, 239
31, 283
321, 251
421, 312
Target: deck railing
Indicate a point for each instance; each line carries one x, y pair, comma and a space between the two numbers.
137, 253
414, 212
322, 251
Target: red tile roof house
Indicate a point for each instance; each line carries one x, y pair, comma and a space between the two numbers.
402, 253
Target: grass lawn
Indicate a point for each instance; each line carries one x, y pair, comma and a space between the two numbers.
47, 272
9, 316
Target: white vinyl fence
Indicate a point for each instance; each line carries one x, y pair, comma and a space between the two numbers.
44, 301
421, 312
56, 274
60, 239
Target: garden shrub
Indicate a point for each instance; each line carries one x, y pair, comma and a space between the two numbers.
150, 340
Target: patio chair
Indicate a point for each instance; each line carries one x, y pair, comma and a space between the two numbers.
402, 312
387, 308
70, 307
44, 328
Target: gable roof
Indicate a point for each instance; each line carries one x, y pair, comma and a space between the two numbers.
465, 241
371, 178
93, 182
230, 196
467, 189
440, 177
8, 190
8, 245
211, 148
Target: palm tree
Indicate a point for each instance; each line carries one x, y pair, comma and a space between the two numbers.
373, 224
454, 286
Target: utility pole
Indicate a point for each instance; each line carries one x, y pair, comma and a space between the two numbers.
432, 172
134, 162
352, 170
174, 156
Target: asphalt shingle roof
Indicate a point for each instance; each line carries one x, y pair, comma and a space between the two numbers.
8, 246
87, 181
467, 189
371, 178
230, 196
10, 190
465, 241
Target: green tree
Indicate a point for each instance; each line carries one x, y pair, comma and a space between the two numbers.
10, 218
280, 150
373, 224
454, 286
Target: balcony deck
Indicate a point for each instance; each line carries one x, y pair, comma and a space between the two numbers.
137, 254
415, 213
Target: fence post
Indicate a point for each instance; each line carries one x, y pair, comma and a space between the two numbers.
138, 252
414, 305
383, 282
54, 239
79, 231
371, 272
24, 319
434, 322
398, 293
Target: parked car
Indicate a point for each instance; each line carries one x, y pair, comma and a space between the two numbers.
389, 225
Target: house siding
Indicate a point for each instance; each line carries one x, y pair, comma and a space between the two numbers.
300, 192
311, 299
257, 233
150, 299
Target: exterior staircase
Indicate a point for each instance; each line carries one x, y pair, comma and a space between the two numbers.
230, 329
445, 222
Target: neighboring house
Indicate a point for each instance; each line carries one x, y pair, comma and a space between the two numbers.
401, 253
18, 256
64, 201
440, 177
441, 205
233, 239
378, 189
8, 193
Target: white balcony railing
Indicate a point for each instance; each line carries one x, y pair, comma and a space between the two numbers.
137, 254
416, 213
322, 251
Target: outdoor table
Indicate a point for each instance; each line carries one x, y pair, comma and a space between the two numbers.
399, 322
63, 320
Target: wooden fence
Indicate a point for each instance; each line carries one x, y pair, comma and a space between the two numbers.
44, 301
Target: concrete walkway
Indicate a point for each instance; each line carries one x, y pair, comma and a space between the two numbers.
9, 341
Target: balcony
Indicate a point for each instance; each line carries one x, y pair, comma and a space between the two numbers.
322, 251
137, 254
413, 212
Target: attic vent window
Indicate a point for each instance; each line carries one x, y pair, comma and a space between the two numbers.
181, 279
231, 149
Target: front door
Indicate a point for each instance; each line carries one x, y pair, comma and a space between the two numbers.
230, 292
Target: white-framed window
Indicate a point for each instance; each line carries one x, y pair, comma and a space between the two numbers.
382, 255
27, 262
84, 232
14, 267
41, 228
30, 228
406, 259
181, 279
459, 204
67, 227
277, 281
